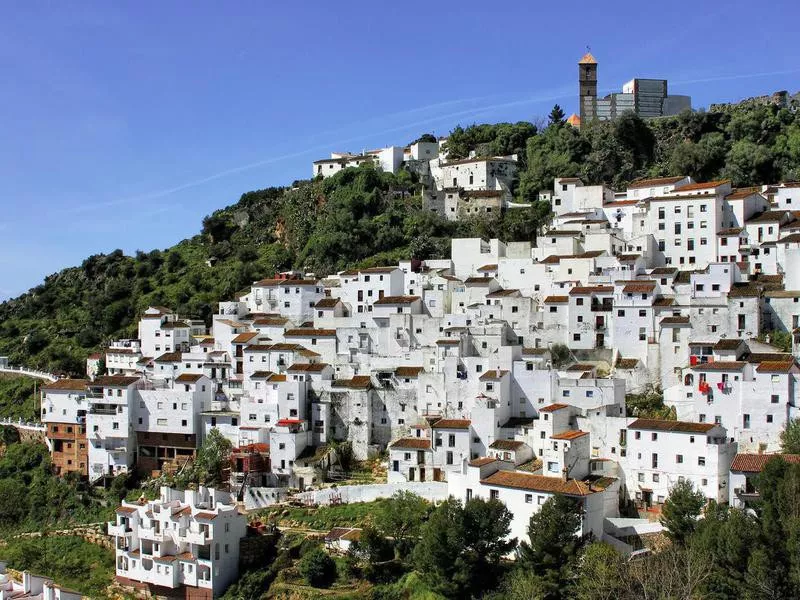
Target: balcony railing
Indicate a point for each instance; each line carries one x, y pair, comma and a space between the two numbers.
602, 307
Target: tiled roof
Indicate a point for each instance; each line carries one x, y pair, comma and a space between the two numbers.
169, 357
741, 193
534, 351
307, 367
484, 460
478, 280
702, 186
553, 407
74, 385
357, 382
572, 434
452, 424
538, 483
397, 300
327, 303
721, 365
447, 342
587, 59
728, 344
730, 231
303, 332
270, 322
675, 321
492, 267
579, 367
502, 293
744, 291
768, 216
754, 463
643, 183
412, 443
556, 300
626, 363
205, 516
592, 289
774, 366
408, 371
506, 445
378, 270
665, 425
639, 287
114, 381
243, 338
188, 377
493, 375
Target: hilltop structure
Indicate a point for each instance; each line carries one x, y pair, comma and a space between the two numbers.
647, 98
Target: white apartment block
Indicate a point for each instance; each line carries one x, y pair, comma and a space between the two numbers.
185, 542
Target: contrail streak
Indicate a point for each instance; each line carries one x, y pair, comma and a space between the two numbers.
555, 94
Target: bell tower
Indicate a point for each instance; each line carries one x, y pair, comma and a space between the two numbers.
587, 87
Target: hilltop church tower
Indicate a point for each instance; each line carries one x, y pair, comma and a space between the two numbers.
587, 86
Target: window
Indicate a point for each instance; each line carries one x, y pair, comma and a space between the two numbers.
642, 313
769, 418
449, 458
775, 399
576, 337
641, 477
745, 421
654, 460
679, 458
656, 478
494, 494
528, 498
701, 461
620, 313
637, 435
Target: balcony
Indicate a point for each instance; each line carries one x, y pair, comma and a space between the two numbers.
148, 533
195, 537
103, 411
745, 496
119, 530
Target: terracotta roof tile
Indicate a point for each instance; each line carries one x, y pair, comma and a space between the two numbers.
397, 300
572, 434
538, 483
506, 445
452, 424
754, 463
774, 366
665, 425
658, 181
75, 385
553, 407
408, 371
412, 443
720, 365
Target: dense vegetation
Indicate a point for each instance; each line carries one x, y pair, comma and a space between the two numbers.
69, 561
362, 216
32, 498
17, 398
411, 549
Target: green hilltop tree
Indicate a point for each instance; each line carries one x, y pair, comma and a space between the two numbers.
681, 510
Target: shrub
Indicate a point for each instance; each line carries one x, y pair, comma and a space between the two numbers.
317, 568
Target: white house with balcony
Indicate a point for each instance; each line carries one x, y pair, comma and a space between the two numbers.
186, 541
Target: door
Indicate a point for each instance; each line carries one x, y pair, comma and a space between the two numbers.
301, 483
411, 473
600, 340
396, 466
422, 473
647, 498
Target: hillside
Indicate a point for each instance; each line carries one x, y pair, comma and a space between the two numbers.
362, 216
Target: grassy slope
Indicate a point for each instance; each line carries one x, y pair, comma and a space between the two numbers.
17, 400
69, 561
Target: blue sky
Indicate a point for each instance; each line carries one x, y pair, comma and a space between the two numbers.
123, 124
